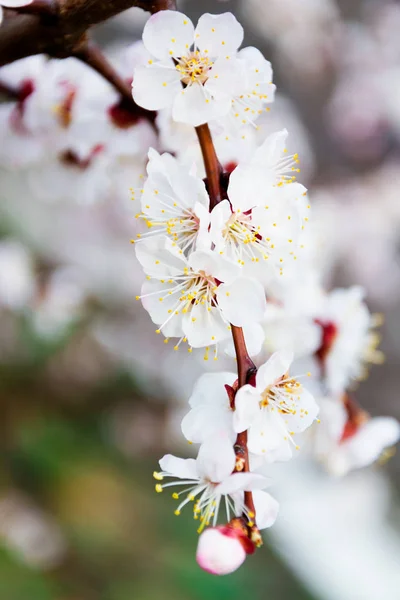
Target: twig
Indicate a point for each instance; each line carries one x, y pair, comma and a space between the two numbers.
211, 164
90, 54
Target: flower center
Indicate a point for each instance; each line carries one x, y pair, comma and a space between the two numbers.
282, 395
194, 68
244, 239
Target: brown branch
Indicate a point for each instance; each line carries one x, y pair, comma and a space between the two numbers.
211, 164
89, 53
246, 367
60, 32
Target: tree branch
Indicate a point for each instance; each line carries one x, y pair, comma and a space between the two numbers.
211, 164
91, 55
60, 31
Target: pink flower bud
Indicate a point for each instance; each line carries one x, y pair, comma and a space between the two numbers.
221, 550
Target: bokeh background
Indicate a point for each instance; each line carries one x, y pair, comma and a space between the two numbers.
90, 398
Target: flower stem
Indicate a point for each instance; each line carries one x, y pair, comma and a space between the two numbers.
211, 164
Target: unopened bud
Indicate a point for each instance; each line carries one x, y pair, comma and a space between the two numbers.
221, 550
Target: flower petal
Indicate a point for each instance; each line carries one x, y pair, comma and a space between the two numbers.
241, 482
183, 468
225, 79
214, 264
267, 509
159, 257
247, 408
160, 305
210, 389
204, 327
267, 433
306, 413
168, 33
155, 87
242, 302
216, 459
218, 218
195, 106
218, 553
201, 422
273, 369
15, 3
218, 35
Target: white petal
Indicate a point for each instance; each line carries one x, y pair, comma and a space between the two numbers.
267, 509
225, 79
216, 459
204, 327
241, 482
244, 187
214, 264
242, 302
159, 257
306, 413
202, 422
269, 153
168, 33
218, 35
218, 553
183, 468
247, 408
370, 441
203, 240
15, 3
273, 369
195, 106
267, 433
218, 219
160, 307
210, 389
155, 87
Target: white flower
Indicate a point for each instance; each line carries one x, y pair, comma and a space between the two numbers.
275, 409
174, 202
12, 4
257, 89
262, 222
185, 298
211, 412
203, 60
208, 480
343, 445
348, 340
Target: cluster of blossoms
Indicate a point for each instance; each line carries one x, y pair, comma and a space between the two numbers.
66, 128
234, 274
242, 263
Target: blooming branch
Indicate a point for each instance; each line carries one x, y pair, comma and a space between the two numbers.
58, 28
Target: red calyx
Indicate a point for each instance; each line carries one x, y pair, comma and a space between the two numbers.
329, 333
70, 158
237, 529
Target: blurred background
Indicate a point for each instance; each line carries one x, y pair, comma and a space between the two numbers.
90, 397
